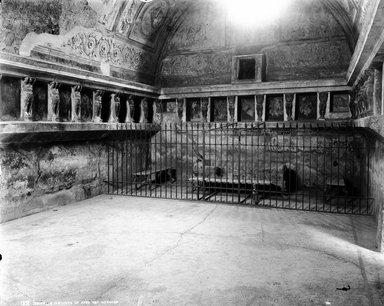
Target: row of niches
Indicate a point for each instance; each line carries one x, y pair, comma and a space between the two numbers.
266, 107
29, 99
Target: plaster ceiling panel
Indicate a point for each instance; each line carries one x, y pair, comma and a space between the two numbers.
107, 10
126, 19
308, 21
202, 28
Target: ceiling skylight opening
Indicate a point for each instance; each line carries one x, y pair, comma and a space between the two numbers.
253, 13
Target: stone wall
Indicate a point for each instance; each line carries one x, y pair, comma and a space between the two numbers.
376, 170
36, 178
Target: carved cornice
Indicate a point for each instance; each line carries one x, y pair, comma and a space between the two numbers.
19, 66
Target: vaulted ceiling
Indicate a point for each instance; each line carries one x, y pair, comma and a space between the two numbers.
148, 24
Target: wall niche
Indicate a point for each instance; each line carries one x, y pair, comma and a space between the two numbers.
306, 106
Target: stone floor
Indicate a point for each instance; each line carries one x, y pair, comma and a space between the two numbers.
114, 250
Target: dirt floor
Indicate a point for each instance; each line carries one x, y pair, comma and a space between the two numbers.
114, 250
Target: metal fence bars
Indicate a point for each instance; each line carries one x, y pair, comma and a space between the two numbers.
308, 168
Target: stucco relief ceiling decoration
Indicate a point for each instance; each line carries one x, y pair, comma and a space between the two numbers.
149, 23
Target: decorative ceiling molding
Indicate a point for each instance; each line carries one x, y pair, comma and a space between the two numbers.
370, 41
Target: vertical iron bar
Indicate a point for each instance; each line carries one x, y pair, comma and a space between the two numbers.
108, 162
289, 168
216, 163
368, 150
316, 151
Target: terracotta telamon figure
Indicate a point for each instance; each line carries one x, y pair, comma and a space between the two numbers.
54, 101
76, 103
129, 116
323, 98
27, 98
144, 111
157, 112
259, 107
289, 105
204, 109
180, 108
117, 106
114, 108
353, 105
97, 105
231, 108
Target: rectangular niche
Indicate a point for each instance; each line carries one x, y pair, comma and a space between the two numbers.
339, 102
193, 109
246, 108
65, 103
247, 68
169, 106
10, 98
219, 109
87, 105
40, 101
275, 108
306, 106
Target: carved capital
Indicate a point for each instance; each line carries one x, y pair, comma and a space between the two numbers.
53, 101
27, 98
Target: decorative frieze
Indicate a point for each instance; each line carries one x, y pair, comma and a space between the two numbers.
76, 103
144, 111
130, 107
26, 97
114, 109
53, 101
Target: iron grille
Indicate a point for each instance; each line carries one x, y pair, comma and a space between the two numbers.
304, 168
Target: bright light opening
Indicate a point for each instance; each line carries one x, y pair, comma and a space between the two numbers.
251, 13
